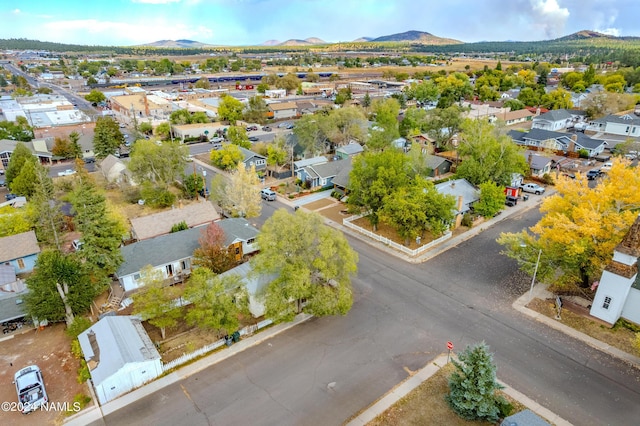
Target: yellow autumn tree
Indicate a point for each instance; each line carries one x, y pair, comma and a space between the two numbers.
580, 227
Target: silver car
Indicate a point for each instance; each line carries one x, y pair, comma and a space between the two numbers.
30, 388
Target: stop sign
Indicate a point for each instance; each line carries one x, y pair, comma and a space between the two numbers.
449, 345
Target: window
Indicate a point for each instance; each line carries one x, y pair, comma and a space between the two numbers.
21, 263
237, 250
607, 302
136, 277
251, 240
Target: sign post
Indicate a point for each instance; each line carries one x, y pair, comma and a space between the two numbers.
450, 348
558, 307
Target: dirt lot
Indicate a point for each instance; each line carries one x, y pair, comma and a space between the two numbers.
49, 349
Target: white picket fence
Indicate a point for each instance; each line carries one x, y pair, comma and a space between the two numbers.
348, 223
248, 330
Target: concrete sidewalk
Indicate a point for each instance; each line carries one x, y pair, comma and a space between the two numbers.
415, 380
96, 412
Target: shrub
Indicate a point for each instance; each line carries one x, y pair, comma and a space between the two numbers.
83, 372
547, 179
467, 220
78, 325
131, 194
75, 349
583, 153
82, 400
157, 197
181, 226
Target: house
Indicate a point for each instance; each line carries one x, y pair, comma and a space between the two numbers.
622, 125
321, 175
12, 290
341, 180
131, 107
114, 170
465, 194
37, 146
183, 132
438, 165
253, 159
557, 141
20, 251
194, 214
538, 164
618, 293
170, 254
240, 236
120, 356
283, 110
558, 119
255, 285
346, 151
516, 117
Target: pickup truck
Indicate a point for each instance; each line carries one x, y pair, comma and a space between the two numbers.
533, 188
67, 172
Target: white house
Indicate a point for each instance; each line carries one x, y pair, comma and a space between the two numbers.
618, 294
255, 285
283, 110
465, 194
120, 356
622, 125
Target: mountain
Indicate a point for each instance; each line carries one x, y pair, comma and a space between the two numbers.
584, 35
176, 43
295, 42
417, 37
362, 39
315, 40
271, 43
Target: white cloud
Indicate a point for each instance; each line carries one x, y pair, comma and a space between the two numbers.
16, 11
610, 31
549, 16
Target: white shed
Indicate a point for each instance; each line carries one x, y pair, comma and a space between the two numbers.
120, 356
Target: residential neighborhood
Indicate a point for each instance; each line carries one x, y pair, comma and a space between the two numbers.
308, 232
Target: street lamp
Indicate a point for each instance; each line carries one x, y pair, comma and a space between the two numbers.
535, 271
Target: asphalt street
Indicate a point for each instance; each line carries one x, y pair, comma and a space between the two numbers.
327, 369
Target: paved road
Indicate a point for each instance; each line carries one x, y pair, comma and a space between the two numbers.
402, 316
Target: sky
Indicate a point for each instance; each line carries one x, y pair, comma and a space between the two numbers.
252, 22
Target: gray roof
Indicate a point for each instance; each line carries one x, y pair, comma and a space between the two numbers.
309, 162
248, 154
582, 140
460, 188
159, 250
18, 246
434, 161
327, 170
255, 283
237, 229
120, 340
538, 162
554, 115
351, 148
524, 418
622, 119
194, 214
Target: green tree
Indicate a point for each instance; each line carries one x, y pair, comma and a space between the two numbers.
107, 137
514, 104
375, 176
256, 111
227, 157
242, 198
75, 148
160, 164
163, 130
230, 109
101, 232
218, 301
237, 135
473, 385
262, 88
24, 184
413, 122
155, 302
58, 288
181, 116
145, 127
20, 130
424, 91
343, 96
95, 97
214, 253
193, 184
199, 117
589, 76
341, 126
21, 155
488, 156
311, 261
203, 83
529, 97
62, 148
492, 198
557, 99
443, 124
14, 221
310, 137
44, 210
289, 82
366, 101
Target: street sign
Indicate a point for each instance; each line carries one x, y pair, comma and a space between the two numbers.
449, 345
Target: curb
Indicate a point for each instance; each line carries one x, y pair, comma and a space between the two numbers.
541, 292
410, 383
97, 412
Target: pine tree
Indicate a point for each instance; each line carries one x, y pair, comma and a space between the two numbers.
473, 385
107, 137
20, 155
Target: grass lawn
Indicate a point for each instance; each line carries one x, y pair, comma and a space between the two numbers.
425, 405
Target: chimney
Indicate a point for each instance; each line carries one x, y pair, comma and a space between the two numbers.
572, 145
537, 111
93, 342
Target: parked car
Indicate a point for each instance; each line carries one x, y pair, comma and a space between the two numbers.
593, 174
268, 194
266, 128
2, 182
253, 139
10, 197
204, 192
252, 128
533, 188
88, 160
30, 388
67, 172
77, 245
569, 175
606, 167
